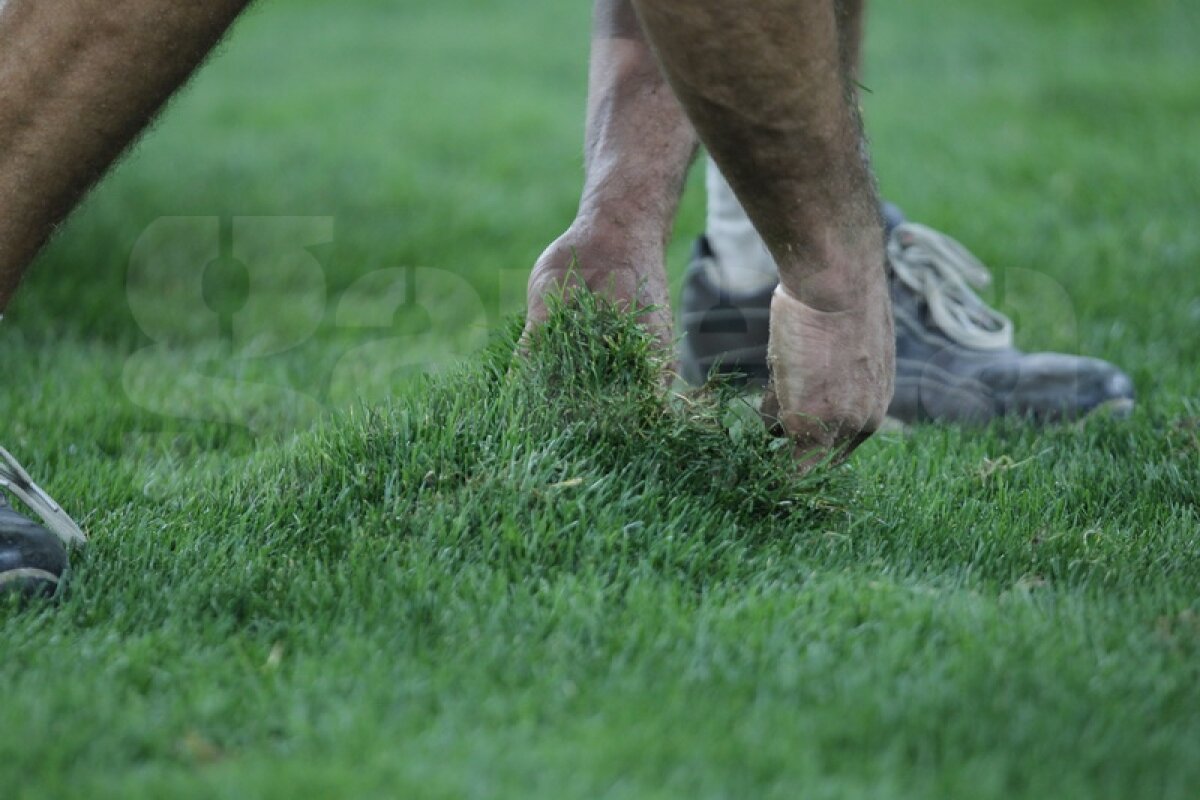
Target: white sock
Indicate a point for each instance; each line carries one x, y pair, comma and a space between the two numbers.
744, 265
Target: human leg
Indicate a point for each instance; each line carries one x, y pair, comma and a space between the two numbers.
79, 80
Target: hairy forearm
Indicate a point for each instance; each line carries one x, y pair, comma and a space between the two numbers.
79, 80
639, 145
765, 84
639, 142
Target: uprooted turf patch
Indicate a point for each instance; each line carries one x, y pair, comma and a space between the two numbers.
570, 459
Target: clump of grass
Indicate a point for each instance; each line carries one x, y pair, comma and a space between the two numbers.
595, 378
571, 457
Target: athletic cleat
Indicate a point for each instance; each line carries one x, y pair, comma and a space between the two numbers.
955, 359
33, 557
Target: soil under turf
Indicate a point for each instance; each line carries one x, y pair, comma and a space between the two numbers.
319, 571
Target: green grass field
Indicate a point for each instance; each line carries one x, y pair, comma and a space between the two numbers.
316, 572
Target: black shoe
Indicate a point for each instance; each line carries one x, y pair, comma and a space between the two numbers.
33, 558
954, 356
723, 334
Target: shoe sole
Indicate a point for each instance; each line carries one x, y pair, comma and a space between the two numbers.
29, 582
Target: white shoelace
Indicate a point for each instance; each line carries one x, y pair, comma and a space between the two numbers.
15, 479
943, 271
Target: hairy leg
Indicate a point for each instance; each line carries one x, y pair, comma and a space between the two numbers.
766, 85
639, 145
79, 80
